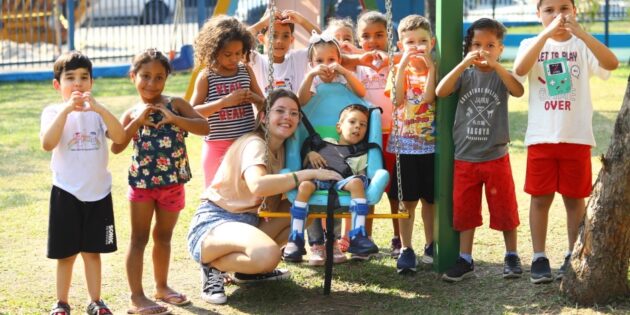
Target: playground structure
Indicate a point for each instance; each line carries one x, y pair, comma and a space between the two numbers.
38, 20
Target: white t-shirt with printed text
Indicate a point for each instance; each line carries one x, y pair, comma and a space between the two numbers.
289, 74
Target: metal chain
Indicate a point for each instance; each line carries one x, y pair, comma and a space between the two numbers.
392, 73
269, 88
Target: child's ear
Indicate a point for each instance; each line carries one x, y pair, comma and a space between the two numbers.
132, 76
56, 84
338, 127
261, 38
432, 43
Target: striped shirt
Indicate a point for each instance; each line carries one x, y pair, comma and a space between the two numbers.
233, 121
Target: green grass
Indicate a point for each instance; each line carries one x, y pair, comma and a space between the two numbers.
28, 278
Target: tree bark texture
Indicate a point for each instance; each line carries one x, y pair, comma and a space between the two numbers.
599, 263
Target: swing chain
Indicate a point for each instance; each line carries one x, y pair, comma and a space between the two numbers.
269, 88
394, 132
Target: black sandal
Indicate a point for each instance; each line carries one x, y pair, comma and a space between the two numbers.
98, 308
60, 308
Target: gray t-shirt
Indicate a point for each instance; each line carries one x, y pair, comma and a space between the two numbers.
481, 128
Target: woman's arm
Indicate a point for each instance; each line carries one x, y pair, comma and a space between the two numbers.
262, 184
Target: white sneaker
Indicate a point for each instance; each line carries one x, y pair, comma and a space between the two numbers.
338, 256
318, 255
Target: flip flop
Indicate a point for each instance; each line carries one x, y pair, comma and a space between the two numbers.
174, 298
149, 310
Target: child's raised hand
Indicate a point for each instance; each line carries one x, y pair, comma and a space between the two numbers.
324, 72
374, 59
572, 25
556, 25
168, 117
487, 60
290, 17
141, 114
316, 160
237, 97
472, 57
348, 48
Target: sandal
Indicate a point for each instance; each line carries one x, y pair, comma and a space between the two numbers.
149, 310
60, 308
174, 298
98, 308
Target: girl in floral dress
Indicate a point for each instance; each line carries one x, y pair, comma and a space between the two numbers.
159, 169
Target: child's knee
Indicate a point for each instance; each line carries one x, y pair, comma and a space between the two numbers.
306, 187
354, 185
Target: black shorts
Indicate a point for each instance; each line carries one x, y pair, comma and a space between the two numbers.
75, 226
417, 178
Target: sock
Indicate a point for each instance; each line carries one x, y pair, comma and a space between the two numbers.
298, 215
513, 253
538, 255
359, 211
466, 257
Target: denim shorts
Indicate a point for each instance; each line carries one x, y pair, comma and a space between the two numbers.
325, 184
208, 217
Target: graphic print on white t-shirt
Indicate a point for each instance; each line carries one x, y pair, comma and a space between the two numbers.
84, 141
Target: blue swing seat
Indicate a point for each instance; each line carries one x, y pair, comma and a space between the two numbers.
323, 112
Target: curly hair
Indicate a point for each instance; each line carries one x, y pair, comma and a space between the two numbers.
483, 24
151, 54
339, 23
215, 34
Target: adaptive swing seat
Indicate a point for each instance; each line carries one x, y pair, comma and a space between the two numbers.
323, 112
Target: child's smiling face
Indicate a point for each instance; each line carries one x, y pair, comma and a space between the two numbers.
549, 9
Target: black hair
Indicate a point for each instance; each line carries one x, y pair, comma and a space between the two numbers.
483, 24
71, 60
151, 54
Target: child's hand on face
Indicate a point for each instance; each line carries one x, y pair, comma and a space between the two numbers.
572, 25
556, 25
316, 160
472, 58
487, 60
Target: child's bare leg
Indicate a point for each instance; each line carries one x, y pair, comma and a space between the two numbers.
538, 219
466, 241
510, 238
393, 208
406, 226
92, 262
576, 209
162, 233
427, 220
64, 277
141, 215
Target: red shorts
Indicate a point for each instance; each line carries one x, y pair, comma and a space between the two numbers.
169, 198
561, 167
389, 161
469, 178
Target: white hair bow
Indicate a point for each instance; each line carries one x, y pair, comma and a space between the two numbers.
325, 36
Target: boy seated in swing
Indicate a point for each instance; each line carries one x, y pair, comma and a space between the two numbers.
351, 128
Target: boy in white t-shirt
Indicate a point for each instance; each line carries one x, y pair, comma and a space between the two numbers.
558, 63
81, 218
289, 65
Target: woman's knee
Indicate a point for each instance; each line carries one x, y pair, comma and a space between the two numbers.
266, 257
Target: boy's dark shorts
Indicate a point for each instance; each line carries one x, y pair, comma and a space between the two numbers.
75, 226
417, 178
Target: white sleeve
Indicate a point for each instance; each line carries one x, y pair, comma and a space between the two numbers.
593, 64
521, 50
259, 66
48, 116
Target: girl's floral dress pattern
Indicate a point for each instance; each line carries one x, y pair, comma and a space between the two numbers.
159, 155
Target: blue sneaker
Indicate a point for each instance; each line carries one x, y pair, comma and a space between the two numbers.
427, 258
406, 261
541, 271
294, 250
362, 247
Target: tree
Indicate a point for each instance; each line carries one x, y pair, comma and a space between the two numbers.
599, 263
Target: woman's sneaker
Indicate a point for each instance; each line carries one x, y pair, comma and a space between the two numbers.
276, 274
427, 258
395, 247
459, 271
406, 261
318, 255
512, 267
212, 285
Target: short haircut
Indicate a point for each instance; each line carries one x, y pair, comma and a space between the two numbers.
483, 24
371, 17
151, 54
351, 108
539, 3
412, 23
266, 28
71, 60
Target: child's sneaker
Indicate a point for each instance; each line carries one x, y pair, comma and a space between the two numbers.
60, 308
395, 247
427, 258
459, 271
512, 267
564, 267
212, 285
98, 308
406, 261
276, 274
541, 272
362, 248
294, 250
344, 243
338, 255
318, 255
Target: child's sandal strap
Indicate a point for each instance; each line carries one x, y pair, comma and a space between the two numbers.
60, 308
98, 308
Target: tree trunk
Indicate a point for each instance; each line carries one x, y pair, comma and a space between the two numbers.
599, 263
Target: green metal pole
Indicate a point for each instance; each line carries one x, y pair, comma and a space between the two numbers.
449, 23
